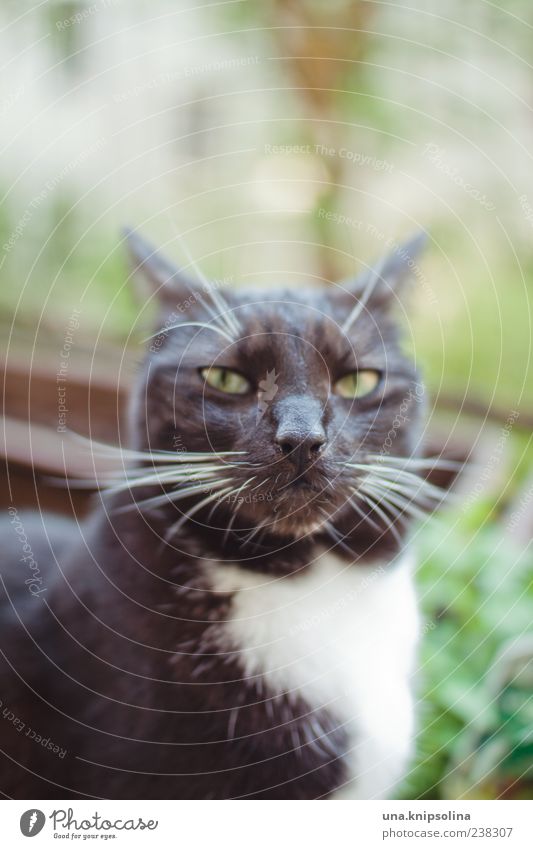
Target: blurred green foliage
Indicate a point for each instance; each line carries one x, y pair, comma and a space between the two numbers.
475, 703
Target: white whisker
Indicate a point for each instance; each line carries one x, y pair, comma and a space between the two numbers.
236, 491
163, 479
225, 312
116, 481
411, 485
260, 484
419, 462
364, 516
174, 495
256, 530
375, 277
155, 456
231, 522
203, 503
203, 324
370, 500
403, 478
401, 504
335, 534
225, 315
239, 505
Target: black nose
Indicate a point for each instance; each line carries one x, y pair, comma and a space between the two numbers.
300, 432
300, 448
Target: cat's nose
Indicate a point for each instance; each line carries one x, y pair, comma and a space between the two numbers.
300, 434
300, 449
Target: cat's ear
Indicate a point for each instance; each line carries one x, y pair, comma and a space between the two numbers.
382, 283
164, 279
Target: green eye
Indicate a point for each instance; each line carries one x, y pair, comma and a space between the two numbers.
226, 380
357, 384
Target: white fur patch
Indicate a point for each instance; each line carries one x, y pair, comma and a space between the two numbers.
342, 637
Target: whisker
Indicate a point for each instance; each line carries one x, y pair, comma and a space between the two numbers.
174, 495
419, 489
401, 504
203, 324
239, 505
336, 535
421, 462
403, 477
111, 482
156, 456
375, 277
203, 503
261, 536
364, 516
405, 495
255, 531
236, 491
163, 479
225, 313
215, 296
260, 484
231, 522
370, 500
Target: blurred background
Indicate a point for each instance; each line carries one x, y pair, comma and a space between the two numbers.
295, 141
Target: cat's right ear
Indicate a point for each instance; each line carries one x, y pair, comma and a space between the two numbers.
155, 271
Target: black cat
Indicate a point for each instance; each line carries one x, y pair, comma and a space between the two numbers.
236, 619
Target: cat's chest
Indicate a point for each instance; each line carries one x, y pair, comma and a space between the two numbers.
340, 637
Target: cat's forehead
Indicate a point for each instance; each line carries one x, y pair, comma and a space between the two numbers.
279, 309
282, 317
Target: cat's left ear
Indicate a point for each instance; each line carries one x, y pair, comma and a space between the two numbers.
164, 279
382, 282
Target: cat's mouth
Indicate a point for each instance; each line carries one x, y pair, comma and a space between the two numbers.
303, 482
299, 504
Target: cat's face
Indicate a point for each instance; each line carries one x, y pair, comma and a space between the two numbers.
307, 385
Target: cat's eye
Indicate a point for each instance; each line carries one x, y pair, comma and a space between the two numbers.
226, 380
357, 384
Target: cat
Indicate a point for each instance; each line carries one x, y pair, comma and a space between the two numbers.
236, 618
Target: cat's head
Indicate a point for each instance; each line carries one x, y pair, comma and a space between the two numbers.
310, 388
